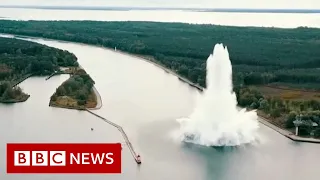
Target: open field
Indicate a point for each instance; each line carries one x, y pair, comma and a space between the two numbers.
289, 94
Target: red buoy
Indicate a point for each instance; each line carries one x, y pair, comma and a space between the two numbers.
138, 159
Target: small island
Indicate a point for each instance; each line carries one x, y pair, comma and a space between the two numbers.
20, 59
76, 92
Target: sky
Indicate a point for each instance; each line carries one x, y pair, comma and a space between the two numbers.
265, 4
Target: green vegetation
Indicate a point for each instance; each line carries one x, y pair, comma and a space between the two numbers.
265, 60
75, 93
19, 59
259, 55
9, 94
280, 111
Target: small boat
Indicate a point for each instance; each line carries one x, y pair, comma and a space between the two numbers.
138, 159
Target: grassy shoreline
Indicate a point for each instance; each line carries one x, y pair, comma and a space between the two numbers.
98, 104
24, 98
53, 104
90, 105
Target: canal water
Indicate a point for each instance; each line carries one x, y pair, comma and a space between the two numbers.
145, 101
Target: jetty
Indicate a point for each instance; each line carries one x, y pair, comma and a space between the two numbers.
17, 82
123, 133
57, 73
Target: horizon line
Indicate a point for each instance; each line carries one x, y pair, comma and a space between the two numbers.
161, 8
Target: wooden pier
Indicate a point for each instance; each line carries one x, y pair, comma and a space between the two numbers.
123, 133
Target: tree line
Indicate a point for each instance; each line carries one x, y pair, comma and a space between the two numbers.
259, 55
19, 57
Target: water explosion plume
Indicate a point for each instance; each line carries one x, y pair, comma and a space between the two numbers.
216, 119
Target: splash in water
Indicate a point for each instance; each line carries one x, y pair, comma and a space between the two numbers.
216, 120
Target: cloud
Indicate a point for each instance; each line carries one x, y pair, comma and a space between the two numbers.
297, 4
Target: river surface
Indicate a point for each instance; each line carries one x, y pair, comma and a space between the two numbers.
283, 20
145, 101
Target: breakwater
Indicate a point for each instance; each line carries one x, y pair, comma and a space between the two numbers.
123, 133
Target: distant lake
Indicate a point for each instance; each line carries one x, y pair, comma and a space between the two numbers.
283, 20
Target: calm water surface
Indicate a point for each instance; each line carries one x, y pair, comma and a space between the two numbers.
145, 100
283, 20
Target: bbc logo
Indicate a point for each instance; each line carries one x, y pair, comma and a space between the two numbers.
39, 158
63, 158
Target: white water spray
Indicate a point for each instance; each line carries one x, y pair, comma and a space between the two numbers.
216, 120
